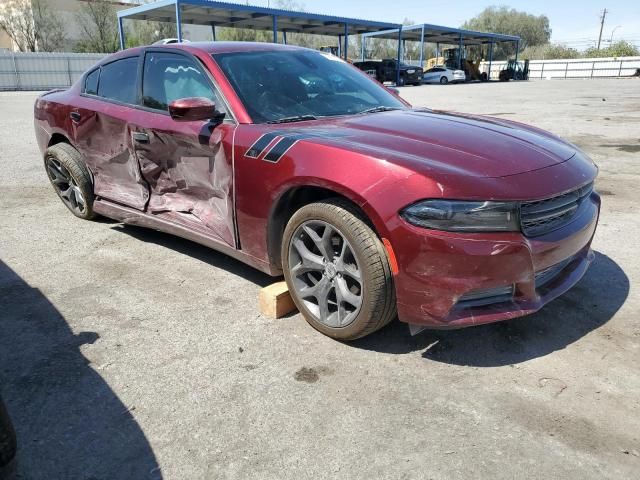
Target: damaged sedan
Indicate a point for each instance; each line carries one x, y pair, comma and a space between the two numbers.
299, 164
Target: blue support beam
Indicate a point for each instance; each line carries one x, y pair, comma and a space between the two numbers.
179, 21
399, 54
422, 47
213, 31
460, 53
363, 39
516, 65
346, 40
490, 60
275, 29
121, 33
284, 37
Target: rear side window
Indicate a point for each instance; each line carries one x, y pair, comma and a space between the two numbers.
91, 82
118, 80
169, 76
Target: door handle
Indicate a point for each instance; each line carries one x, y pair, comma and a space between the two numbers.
140, 137
75, 116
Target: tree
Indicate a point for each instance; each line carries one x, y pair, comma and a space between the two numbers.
98, 23
533, 30
32, 26
549, 51
618, 49
147, 32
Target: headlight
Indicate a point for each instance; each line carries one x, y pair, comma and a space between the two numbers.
462, 216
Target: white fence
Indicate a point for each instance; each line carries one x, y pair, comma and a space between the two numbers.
574, 68
43, 71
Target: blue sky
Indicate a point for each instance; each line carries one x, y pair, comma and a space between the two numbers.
573, 22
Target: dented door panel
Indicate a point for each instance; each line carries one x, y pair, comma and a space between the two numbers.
103, 134
188, 168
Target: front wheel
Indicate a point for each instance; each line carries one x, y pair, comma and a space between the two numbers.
444, 80
337, 270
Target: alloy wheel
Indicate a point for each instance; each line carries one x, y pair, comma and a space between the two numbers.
66, 186
325, 273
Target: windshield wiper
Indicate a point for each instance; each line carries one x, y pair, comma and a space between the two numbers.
297, 118
381, 108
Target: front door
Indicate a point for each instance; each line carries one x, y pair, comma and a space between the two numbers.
187, 165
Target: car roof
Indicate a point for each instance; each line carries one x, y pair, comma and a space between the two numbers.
207, 47
214, 47
226, 47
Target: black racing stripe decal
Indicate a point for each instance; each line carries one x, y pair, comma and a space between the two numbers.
280, 148
259, 145
282, 145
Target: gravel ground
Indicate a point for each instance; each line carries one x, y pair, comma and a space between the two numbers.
127, 353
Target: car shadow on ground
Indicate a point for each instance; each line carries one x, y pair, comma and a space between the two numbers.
584, 308
199, 252
69, 422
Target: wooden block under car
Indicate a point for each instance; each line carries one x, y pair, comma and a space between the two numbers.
275, 300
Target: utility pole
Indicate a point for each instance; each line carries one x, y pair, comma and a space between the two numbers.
602, 17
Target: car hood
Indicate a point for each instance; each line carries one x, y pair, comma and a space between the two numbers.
450, 143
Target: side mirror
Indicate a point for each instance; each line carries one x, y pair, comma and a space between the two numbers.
194, 108
395, 91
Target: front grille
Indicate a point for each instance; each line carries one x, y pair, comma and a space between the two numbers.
543, 216
478, 298
545, 276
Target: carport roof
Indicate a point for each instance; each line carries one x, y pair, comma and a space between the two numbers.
441, 34
224, 14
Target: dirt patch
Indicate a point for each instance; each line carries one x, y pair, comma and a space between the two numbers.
308, 375
624, 147
311, 374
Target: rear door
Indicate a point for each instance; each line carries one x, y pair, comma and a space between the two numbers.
187, 165
102, 132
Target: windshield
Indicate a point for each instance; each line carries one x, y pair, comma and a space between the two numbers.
290, 85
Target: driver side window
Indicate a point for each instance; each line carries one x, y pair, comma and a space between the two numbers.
169, 76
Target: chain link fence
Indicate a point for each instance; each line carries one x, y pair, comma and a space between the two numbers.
43, 71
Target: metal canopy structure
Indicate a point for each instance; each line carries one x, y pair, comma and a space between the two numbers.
222, 14
438, 34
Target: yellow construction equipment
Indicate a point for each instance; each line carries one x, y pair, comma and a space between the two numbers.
450, 60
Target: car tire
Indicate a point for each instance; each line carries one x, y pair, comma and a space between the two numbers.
8, 443
70, 179
444, 80
401, 81
357, 253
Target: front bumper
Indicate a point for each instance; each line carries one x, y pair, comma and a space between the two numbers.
438, 269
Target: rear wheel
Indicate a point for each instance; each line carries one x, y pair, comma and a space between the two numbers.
401, 81
444, 80
337, 270
70, 179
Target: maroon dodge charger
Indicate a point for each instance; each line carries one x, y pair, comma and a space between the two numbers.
297, 163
